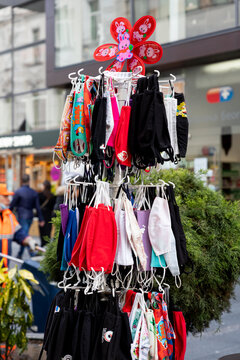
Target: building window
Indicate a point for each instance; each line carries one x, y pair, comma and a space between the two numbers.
5, 28
40, 110
6, 115
177, 20
213, 108
29, 69
6, 74
29, 23
81, 26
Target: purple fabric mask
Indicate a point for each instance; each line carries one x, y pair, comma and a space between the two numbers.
142, 218
64, 217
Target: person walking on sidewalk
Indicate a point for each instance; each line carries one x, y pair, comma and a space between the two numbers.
10, 229
47, 202
25, 200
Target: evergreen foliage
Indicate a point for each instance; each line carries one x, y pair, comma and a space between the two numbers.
212, 228
49, 265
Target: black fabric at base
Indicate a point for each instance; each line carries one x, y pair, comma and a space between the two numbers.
108, 337
91, 330
124, 352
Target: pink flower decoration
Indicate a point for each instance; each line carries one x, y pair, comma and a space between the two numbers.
132, 45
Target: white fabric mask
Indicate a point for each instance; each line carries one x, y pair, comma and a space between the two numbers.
144, 344
171, 111
123, 253
77, 217
109, 118
134, 233
171, 258
153, 351
159, 226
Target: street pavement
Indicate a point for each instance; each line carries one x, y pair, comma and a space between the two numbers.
218, 341
215, 342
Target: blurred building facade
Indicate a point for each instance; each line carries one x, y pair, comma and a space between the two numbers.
43, 41
30, 111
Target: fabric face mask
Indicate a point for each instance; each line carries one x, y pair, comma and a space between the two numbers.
171, 258
171, 110
144, 344
109, 118
124, 253
135, 234
78, 139
182, 125
64, 136
153, 350
142, 218
115, 111
64, 216
157, 261
159, 227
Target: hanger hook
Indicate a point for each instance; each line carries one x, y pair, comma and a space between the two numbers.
70, 76
157, 72
79, 71
100, 70
173, 77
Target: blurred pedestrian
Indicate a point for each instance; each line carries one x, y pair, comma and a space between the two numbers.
47, 202
11, 230
25, 200
59, 197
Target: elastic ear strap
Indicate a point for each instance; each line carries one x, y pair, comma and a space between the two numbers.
93, 197
129, 91
66, 195
179, 282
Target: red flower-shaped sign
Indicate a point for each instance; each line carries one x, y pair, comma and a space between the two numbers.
132, 45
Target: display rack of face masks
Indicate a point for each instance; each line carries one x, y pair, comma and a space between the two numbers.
114, 303
122, 119
126, 238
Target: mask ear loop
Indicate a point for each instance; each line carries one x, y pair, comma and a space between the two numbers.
166, 294
73, 196
163, 192
160, 289
94, 196
62, 284
146, 283
53, 159
114, 271
88, 281
129, 92
65, 197
160, 262
130, 274
140, 278
70, 198
163, 277
179, 282
89, 284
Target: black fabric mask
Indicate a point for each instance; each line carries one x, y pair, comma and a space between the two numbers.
181, 247
182, 125
134, 118
98, 128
